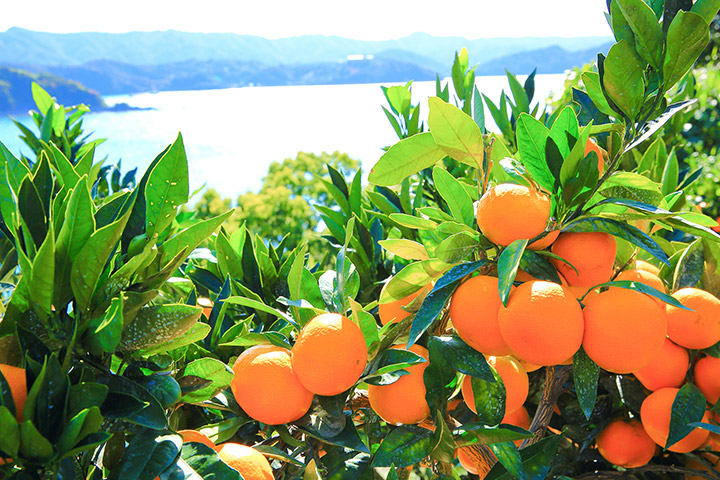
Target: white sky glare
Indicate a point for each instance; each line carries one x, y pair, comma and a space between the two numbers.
363, 20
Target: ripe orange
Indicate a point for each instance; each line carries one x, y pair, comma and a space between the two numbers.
251, 464
655, 416
625, 443
206, 305
393, 312
591, 253
647, 266
509, 212
196, 436
645, 277
592, 146
666, 369
706, 373
624, 329
15, 377
542, 324
330, 354
402, 402
514, 378
474, 311
699, 328
267, 388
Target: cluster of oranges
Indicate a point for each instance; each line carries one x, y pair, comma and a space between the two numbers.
623, 331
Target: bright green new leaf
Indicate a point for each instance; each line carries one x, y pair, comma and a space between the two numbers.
623, 80
707, 9
591, 80
522, 102
531, 138
398, 97
411, 279
456, 133
454, 194
167, 188
408, 156
42, 99
565, 125
404, 248
647, 30
191, 236
43, 272
686, 38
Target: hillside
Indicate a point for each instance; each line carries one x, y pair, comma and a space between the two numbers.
20, 46
547, 60
16, 96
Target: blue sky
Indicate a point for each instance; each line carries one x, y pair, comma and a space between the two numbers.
366, 19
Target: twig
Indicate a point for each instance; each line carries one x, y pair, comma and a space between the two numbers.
555, 378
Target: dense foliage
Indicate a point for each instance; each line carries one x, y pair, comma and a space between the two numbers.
104, 279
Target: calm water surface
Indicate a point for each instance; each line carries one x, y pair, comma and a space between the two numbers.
232, 135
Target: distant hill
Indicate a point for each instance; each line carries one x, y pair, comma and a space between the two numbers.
16, 94
20, 46
547, 60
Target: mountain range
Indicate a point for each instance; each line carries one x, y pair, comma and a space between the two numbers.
172, 60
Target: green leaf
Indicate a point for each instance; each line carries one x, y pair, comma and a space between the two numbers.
398, 97
33, 445
90, 261
454, 194
536, 460
585, 375
508, 263
104, 332
489, 398
632, 186
43, 273
191, 236
509, 457
522, 102
707, 9
412, 278
410, 221
437, 298
147, 455
456, 133
531, 138
687, 408
167, 188
479, 433
687, 36
647, 30
463, 358
80, 426
9, 432
219, 374
319, 423
47, 396
646, 289
196, 333
406, 158
457, 247
85, 395
157, 324
130, 401
623, 80
591, 80
690, 266
42, 99
538, 266
621, 230
404, 446
404, 248
205, 462
565, 125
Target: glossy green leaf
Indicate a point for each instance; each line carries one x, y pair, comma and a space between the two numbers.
520, 96
454, 194
536, 460
33, 445
479, 433
687, 408
412, 278
648, 32
260, 307
157, 324
404, 446
196, 333
591, 80
686, 38
191, 236
205, 462
391, 365
707, 9
130, 401
509, 457
623, 80
104, 332
539, 266
463, 358
43, 272
565, 126
405, 158
632, 186
489, 399
47, 395
410, 221
84, 396
690, 266
340, 431
456, 133
457, 247
147, 455
404, 248
210, 369
646, 289
531, 138
167, 188
9, 432
585, 375
80, 426
508, 263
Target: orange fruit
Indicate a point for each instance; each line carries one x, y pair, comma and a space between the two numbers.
699, 327
196, 436
251, 464
15, 377
706, 373
647, 266
592, 146
466, 460
519, 418
206, 304
591, 253
330, 354
402, 402
624, 329
542, 323
693, 464
625, 443
645, 277
666, 369
545, 241
266, 387
509, 212
393, 312
514, 378
474, 311
655, 416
